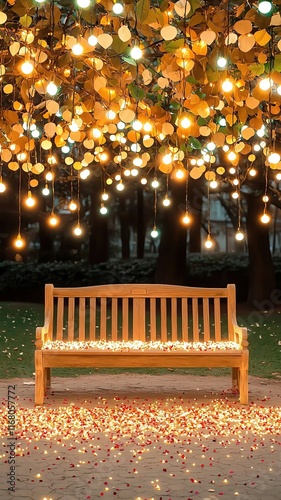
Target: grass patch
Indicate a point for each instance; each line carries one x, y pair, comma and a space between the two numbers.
17, 335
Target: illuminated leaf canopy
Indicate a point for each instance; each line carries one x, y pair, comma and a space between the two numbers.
205, 93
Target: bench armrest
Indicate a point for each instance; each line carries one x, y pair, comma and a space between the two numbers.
41, 335
240, 335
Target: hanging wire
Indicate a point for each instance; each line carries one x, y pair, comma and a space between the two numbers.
19, 202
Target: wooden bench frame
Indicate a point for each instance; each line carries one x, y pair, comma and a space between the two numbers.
179, 297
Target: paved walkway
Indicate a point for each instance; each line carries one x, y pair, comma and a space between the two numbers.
166, 437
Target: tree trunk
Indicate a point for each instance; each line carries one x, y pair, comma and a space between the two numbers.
46, 240
98, 241
171, 262
261, 269
195, 197
124, 227
140, 224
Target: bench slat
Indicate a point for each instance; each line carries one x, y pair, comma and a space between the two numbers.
164, 336
184, 313
125, 319
139, 319
92, 325
60, 311
206, 319
195, 320
103, 318
70, 330
82, 319
174, 319
114, 324
217, 317
153, 332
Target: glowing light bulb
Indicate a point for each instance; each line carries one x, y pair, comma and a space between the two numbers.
92, 40
208, 242
137, 161
143, 181
167, 159
232, 170
49, 176
265, 198
136, 53
46, 190
30, 202
227, 85
121, 125
273, 158
213, 184
134, 172
118, 8
265, 84
265, 218
232, 156
27, 67
120, 186
84, 174
137, 125
2, 186
77, 49
186, 219
155, 183
19, 243
166, 201
104, 196
77, 230
235, 195
222, 122
53, 220
235, 182
127, 172
84, 4
239, 235
52, 88
278, 176
221, 62
148, 127
185, 122
110, 114
96, 133
211, 146
264, 7
179, 174
72, 206
103, 209
279, 89
154, 233
252, 172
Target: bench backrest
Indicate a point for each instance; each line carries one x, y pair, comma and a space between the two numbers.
140, 312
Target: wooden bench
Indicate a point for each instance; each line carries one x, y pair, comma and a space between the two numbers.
98, 326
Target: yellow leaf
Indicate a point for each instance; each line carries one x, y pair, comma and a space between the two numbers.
246, 42
26, 21
262, 37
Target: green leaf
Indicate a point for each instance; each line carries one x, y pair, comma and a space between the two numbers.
117, 45
174, 45
136, 92
277, 62
256, 69
194, 143
129, 60
142, 10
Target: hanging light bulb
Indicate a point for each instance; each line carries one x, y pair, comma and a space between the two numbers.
143, 181
49, 176
110, 114
53, 220
137, 161
77, 230
30, 202
235, 195
137, 125
265, 84
52, 88
120, 185
239, 236
2, 185
184, 122
84, 174
221, 62
214, 184
92, 40
118, 8
273, 158
155, 183
252, 172
103, 209
209, 242
104, 196
136, 53
264, 7
265, 218
154, 233
134, 172
186, 218
46, 190
84, 4
166, 201
19, 242
265, 198
27, 67
72, 206
232, 155
77, 49
227, 85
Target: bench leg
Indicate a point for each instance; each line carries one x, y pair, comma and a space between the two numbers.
243, 376
47, 378
235, 378
39, 378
